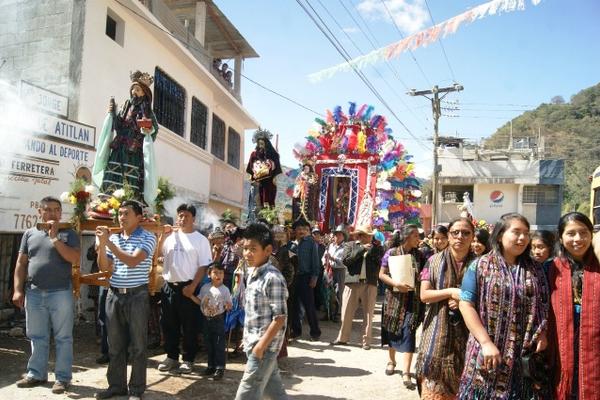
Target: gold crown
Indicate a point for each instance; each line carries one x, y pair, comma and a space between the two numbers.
141, 77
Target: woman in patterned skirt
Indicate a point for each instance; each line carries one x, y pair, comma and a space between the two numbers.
504, 302
442, 348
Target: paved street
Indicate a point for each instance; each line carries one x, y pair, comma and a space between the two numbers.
313, 370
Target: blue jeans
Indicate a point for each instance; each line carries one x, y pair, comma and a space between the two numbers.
214, 340
45, 309
261, 377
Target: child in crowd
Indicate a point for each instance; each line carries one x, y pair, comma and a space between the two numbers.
542, 247
265, 320
214, 299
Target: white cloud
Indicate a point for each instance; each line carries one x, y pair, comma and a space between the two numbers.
410, 15
351, 29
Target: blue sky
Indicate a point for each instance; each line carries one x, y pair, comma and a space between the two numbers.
521, 58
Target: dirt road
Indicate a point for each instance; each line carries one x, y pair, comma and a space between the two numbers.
313, 370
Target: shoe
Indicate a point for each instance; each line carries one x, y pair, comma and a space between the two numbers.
338, 343
294, 335
59, 387
167, 365
103, 359
315, 338
390, 368
218, 374
135, 397
209, 371
366, 347
108, 393
186, 367
408, 383
30, 381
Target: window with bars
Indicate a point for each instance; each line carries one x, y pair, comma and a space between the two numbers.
233, 148
217, 147
169, 102
541, 194
455, 194
199, 121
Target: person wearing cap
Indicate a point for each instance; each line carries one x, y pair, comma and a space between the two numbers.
309, 266
333, 257
186, 254
217, 240
362, 258
128, 255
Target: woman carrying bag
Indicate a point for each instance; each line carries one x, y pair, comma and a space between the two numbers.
402, 308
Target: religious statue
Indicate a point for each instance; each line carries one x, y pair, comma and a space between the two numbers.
306, 194
342, 201
127, 157
263, 167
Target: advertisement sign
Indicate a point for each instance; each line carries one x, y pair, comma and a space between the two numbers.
44, 99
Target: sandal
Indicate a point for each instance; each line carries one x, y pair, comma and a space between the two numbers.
408, 382
389, 369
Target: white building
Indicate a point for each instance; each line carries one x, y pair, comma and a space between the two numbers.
84, 51
500, 182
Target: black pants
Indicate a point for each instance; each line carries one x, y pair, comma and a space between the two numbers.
102, 293
179, 314
127, 324
304, 294
214, 339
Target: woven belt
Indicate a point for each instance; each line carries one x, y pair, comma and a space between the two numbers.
131, 290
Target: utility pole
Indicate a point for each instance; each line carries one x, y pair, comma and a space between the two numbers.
437, 113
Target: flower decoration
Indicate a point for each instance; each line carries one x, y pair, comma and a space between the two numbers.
165, 192
79, 195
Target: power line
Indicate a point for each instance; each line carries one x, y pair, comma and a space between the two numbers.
145, 19
374, 46
402, 37
441, 44
360, 51
342, 51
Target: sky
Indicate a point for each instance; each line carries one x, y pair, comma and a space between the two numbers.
507, 64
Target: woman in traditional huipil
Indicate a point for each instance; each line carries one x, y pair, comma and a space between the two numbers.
504, 302
574, 321
442, 348
402, 309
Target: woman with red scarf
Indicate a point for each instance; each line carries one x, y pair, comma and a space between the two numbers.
574, 320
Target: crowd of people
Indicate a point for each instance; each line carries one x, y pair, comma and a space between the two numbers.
506, 315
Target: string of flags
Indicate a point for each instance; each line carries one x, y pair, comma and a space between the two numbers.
424, 37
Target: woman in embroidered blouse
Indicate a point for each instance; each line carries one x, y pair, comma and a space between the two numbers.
402, 310
574, 320
442, 348
504, 302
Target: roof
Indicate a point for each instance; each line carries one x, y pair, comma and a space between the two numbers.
222, 38
457, 171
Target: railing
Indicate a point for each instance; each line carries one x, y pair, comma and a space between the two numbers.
168, 19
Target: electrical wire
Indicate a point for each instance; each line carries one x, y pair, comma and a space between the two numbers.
342, 51
441, 44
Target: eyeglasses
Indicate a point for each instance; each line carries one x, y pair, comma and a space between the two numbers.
464, 233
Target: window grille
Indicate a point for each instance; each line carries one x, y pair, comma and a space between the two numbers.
233, 148
169, 102
199, 121
217, 147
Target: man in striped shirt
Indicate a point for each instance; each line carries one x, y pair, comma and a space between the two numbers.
129, 256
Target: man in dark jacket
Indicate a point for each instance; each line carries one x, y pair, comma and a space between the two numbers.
362, 257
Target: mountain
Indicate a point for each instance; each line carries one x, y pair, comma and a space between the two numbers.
570, 131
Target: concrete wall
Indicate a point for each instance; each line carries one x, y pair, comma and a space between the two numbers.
35, 42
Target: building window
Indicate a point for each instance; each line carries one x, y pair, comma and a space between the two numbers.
169, 102
217, 147
455, 194
233, 148
199, 121
544, 195
115, 27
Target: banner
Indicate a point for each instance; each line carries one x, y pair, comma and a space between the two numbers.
423, 38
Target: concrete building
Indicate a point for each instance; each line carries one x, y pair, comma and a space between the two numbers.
499, 182
84, 50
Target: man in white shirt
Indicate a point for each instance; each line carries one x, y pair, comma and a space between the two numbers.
186, 255
333, 257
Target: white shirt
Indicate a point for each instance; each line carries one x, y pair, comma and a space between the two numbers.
213, 299
183, 254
